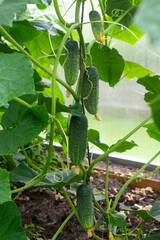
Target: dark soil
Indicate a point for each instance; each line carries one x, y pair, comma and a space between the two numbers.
43, 208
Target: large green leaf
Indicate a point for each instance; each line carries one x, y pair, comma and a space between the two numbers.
75, 110
141, 213
108, 62
20, 125
59, 93
40, 48
4, 48
16, 76
154, 213
94, 138
155, 107
115, 8
151, 83
148, 18
24, 174
42, 26
153, 131
125, 146
133, 69
5, 192
22, 31
9, 8
44, 4
130, 35
153, 237
10, 222
117, 219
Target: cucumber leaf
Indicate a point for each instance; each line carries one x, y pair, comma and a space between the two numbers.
153, 131
75, 110
115, 8
141, 213
153, 214
153, 237
151, 83
10, 222
155, 107
131, 35
109, 63
16, 76
5, 192
94, 138
125, 146
133, 69
20, 125
8, 9
57, 179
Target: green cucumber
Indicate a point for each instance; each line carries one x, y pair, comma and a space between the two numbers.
71, 62
91, 89
78, 136
97, 27
85, 208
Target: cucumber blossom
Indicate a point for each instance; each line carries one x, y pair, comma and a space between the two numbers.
97, 27
85, 208
71, 62
91, 89
78, 136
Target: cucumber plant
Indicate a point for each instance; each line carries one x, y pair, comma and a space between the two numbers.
32, 107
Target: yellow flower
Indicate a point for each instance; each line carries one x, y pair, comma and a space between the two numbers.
111, 236
103, 38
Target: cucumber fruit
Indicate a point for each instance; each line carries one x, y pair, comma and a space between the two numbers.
97, 27
91, 89
71, 62
85, 208
78, 136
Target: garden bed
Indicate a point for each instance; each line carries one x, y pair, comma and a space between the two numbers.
47, 209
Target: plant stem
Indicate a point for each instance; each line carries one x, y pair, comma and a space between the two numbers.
61, 130
77, 11
102, 10
96, 237
99, 207
106, 182
68, 199
140, 229
56, 7
53, 110
131, 179
118, 144
9, 38
62, 225
22, 102
81, 60
92, 5
28, 185
82, 43
29, 161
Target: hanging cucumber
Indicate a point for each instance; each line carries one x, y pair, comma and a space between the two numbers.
91, 89
71, 62
78, 136
97, 27
85, 208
